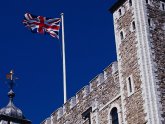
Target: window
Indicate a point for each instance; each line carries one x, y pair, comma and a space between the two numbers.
120, 12
130, 85
121, 35
133, 25
146, 1
149, 22
114, 116
163, 6
149, 2
87, 114
130, 2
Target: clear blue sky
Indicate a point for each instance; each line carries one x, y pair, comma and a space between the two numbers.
36, 59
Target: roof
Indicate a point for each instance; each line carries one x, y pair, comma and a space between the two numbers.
118, 4
11, 112
11, 109
13, 119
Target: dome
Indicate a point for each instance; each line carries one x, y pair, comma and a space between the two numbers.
11, 109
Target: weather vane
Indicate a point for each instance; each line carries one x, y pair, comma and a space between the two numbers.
10, 76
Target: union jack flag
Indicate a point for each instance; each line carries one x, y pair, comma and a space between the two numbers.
42, 25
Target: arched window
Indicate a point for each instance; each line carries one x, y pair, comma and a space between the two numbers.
114, 116
120, 13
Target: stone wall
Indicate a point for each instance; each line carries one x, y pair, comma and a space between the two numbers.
141, 57
133, 109
156, 14
101, 92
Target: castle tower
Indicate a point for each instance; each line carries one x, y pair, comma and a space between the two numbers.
140, 43
11, 114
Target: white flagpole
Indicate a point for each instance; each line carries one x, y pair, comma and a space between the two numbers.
63, 52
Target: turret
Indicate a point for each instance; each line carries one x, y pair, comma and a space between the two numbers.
11, 114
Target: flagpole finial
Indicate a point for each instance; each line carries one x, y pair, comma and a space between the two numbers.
62, 13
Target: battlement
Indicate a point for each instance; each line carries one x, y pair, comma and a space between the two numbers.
84, 92
134, 91
46, 121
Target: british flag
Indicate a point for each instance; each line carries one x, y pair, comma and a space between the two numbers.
42, 25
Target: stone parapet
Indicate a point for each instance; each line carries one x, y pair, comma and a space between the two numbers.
86, 93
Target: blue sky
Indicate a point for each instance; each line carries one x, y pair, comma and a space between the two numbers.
37, 60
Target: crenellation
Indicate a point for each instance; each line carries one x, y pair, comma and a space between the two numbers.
86, 91
48, 121
79, 96
135, 84
66, 107
114, 67
44, 121
100, 79
93, 83
72, 102
87, 94
108, 71
105, 75
59, 113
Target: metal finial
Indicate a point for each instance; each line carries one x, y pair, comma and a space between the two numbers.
11, 78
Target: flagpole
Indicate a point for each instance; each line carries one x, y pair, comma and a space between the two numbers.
63, 52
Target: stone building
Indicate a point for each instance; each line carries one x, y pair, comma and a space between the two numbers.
131, 90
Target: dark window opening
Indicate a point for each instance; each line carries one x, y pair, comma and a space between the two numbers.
86, 114
163, 6
114, 116
120, 12
146, 1
130, 2
149, 22
130, 85
121, 35
133, 25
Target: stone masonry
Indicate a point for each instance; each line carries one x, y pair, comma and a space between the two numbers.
139, 33
135, 84
102, 94
128, 62
157, 42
